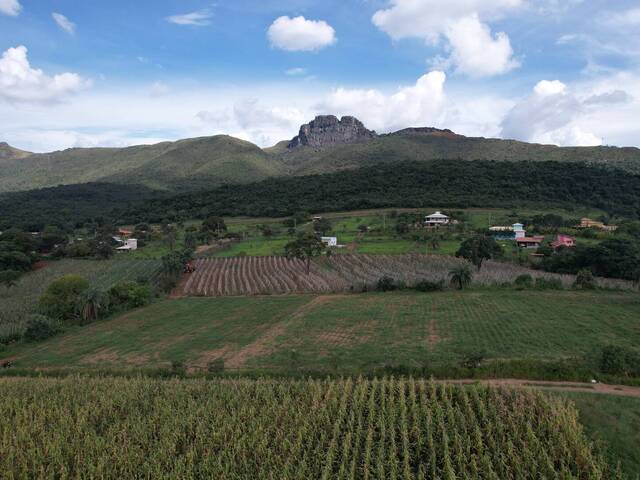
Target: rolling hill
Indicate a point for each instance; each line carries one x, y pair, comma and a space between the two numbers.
324, 145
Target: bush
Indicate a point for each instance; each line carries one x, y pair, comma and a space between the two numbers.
543, 283
386, 284
523, 281
617, 360
473, 360
60, 299
429, 286
40, 328
216, 366
130, 294
585, 280
178, 368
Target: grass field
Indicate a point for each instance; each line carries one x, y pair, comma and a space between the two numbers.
17, 302
235, 429
614, 421
347, 333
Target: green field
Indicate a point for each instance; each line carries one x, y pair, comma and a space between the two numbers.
615, 422
348, 333
406, 429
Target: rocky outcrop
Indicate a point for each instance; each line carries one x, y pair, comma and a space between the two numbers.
430, 131
327, 130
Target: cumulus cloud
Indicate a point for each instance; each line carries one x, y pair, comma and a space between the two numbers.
10, 7
199, 18
22, 83
417, 105
474, 49
553, 114
64, 23
299, 34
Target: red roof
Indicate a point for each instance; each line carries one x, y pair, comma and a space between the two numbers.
530, 239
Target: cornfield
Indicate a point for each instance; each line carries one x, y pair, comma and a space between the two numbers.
18, 302
340, 273
238, 429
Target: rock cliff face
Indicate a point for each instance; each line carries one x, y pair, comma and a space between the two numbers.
327, 130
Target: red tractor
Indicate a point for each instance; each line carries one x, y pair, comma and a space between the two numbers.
189, 267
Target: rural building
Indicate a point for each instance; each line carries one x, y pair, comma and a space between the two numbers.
589, 223
529, 242
436, 219
123, 232
330, 241
513, 232
129, 244
563, 241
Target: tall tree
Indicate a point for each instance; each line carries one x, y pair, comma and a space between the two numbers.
461, 276
305, 247
479, 248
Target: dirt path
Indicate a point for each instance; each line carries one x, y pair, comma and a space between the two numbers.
263, 344
601, 388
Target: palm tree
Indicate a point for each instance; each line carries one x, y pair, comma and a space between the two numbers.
90, 303
461, 276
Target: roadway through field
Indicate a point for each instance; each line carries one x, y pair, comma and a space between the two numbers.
601, 388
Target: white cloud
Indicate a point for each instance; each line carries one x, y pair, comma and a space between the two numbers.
296, 71
64, 23
299, 34
19, 82
474, 50
418, 105
554, 114
10, 7
157, 89
199, 18
622, 19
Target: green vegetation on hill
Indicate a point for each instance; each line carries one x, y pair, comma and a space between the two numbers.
388, 428
455, 184
190, 164
201, 163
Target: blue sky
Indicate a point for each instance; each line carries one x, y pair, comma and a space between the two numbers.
98, 73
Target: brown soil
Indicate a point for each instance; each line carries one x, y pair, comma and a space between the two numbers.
601, 388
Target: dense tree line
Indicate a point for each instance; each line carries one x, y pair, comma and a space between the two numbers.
455, 184
447, 183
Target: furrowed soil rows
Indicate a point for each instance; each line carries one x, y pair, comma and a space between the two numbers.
341, 273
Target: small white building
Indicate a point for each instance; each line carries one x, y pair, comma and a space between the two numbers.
329, 241
436, 219
129, 244
513, 232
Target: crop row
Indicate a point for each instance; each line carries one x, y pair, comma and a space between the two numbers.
233, 429
338, 273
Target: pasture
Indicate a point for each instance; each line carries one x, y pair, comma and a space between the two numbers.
380, 428
346, 333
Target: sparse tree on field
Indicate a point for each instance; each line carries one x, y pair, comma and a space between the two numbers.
9, 278
191, 241
461, 276
305, 247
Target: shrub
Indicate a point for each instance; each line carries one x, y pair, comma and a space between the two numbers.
585, 280
523, 281
178, 368
385, 284
216, 366
130, 294
429, 286
543, 283
473, 359
60, 299
616, 360
40, 328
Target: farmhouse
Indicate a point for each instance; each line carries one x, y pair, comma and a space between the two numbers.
529, 242
436, 219
513, 232
329, 241
563, 241
589, 223
129, 245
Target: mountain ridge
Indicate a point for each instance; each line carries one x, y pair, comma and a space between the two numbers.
324, 145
